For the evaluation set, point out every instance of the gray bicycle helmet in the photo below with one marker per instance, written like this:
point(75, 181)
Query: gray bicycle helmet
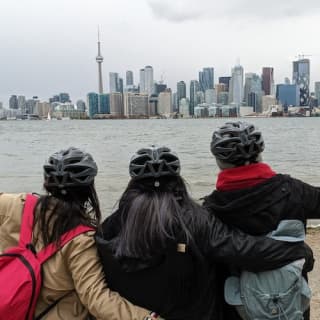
point(237, 143)
point(154, 162)
point(69, 168)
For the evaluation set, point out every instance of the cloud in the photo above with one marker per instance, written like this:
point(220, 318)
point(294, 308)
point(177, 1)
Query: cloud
point(188, 10)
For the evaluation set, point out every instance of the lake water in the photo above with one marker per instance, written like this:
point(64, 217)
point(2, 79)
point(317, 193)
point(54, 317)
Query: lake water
point(292, 147)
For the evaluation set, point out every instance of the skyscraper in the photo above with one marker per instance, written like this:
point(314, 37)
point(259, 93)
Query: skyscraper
point(99, 59)
point(226, 81)
point(267, 80)
point(22, 104)
point(194, 88)
point(288, 94)
point(206, 79)
point(253, 91)
point(301, 77)
point(317, 91)
point(114, 82)
point(181, 93)
point(165, 102)
point(236, 85)
point(142, 81)
point(148, 80)
point(104, 103)
point(129, 78)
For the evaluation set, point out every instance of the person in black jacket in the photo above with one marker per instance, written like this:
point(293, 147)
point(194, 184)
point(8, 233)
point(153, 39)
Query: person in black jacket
point(249, 195)
point(160, 248)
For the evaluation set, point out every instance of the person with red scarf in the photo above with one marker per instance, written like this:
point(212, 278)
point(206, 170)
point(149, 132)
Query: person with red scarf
point(250, 195)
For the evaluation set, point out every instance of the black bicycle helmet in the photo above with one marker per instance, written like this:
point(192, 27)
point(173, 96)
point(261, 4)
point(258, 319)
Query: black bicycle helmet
point(69, 168)
point(237, 143)
point(154, 162)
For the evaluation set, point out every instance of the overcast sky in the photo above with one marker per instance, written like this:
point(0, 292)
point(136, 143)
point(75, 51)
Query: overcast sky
point(49, 46)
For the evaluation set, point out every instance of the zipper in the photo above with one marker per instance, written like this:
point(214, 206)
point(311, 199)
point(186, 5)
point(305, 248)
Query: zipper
point(27, 264)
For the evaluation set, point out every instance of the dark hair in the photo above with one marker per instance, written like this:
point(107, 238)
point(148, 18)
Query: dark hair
point(59, 212)
point(153, 212)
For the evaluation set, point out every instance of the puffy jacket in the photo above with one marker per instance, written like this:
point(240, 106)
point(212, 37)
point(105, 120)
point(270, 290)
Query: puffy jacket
point(258, 210)
point(75, 269)
point(184, 282)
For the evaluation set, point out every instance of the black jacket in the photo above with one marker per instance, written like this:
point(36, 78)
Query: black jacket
point(181, 285)
point(259, 209)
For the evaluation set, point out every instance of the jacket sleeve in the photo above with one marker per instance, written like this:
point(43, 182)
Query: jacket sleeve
point(89, 281)
point(232, 246)
point(310, 199)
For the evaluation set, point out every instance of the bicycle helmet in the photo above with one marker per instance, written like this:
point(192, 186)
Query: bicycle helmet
point(154, 162)
point(237, 143)
point(69, 168)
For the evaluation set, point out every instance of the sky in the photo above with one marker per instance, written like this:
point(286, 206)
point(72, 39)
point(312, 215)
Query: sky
point(49, 46)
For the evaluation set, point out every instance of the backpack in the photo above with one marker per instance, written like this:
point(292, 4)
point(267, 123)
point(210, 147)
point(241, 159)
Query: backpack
point(279, 294)
point(20, 268)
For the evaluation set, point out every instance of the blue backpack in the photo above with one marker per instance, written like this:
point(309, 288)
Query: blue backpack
point(280, 294)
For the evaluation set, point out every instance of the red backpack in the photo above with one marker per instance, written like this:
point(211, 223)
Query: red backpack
point(20, 268)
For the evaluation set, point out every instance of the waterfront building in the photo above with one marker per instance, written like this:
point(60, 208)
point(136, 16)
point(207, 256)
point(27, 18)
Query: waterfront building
point(99, 59)
point(22, 104)
point(136, 104)
point(184, 108)
point(64, 97)
point(30, 106)
point(42, 109)
point(267, 81)
point(104, 103)
point(114, 82)
point(301, 77)
point(194, 88)
point(116, 104)
point(206, 79)
point(181, 93)
point(165, 103)
point(268, 102)
point(153, 104)
point(129, 78)
point(174, 102)
point(288, 94)
point(13, 102)
point(201, 110)
point(81, 105)
point(317, 90)
point(210, 96)
point(226, 81)
point(93, 104)
point(236, 85)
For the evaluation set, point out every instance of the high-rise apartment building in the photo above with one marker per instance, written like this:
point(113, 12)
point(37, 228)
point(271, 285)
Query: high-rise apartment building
point(301, 77)
point(22, 104)
point(136, 104)
point(64, 97)
point(142, 81)
point(181, 92)
point(210, 96)
point(206, 79)
point(93, 104)
point(194, 88)
point(267, 80)
point(253, 91)
point(114, 82)
point(236, 85)
point(165, 103)
point(129, 78)
point(81, 105)
point(116, 104)
point(13, 102)
point(148, 80)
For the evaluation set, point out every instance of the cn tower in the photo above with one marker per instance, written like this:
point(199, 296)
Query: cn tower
point(99, 60)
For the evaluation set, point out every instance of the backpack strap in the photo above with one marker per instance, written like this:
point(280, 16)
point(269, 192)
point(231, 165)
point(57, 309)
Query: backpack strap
point(44, 254)
point(27, 220)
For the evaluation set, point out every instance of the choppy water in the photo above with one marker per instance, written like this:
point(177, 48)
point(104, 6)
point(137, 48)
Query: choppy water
point(292, 146)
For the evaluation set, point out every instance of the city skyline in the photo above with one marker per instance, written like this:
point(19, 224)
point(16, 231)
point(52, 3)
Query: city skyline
point(41, 56)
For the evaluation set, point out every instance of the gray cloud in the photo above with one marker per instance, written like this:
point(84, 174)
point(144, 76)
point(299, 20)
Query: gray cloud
point(188, 10)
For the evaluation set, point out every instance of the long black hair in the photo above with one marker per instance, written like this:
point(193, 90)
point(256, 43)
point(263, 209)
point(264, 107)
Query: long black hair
point(153, 212)
point(61, 210)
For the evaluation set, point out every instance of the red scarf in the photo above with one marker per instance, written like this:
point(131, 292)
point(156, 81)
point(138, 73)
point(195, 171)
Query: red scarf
point(243, 176)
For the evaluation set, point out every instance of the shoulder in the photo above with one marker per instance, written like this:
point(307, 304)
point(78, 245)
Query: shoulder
point(11, 203)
